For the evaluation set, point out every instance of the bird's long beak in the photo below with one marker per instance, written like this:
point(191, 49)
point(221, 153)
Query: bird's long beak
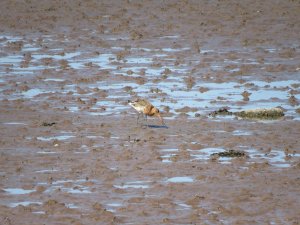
point(161, 119)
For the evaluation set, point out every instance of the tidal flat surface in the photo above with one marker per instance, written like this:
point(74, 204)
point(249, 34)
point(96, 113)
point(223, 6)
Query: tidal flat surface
point(71, 150)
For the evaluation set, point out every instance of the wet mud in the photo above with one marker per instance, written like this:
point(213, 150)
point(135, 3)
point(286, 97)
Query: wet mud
point(71, 150)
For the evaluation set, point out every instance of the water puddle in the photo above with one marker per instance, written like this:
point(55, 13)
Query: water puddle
point(167, 158)
point(59, 138)
point(77, 190)
point(134, 184)
point(46, 152)
point(12, 60)
point(69, 186)
point(113, 206)
point(17, 191)
point(180, 180)
point(71, 206)
point(82, 150)
point(24, 203)
point(54, 79)
point(15, 123)
point(139, 60)
point(94, 137)
point(55, 56)
point(175, 49)
point(276, 158)
point(168, 154)
point(205, 153)
point(170, 149)
point(47, 171)
point(170, 37)
point(183, 206)
point(73, 108)
point(39, 212)
point(242, 133)
point(34, 92)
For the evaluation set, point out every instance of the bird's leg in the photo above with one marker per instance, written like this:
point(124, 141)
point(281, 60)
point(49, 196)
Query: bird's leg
point(137, 121)
point(146, 120)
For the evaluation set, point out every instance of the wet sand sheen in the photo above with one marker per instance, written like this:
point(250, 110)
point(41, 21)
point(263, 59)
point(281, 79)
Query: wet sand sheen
point(71, 151)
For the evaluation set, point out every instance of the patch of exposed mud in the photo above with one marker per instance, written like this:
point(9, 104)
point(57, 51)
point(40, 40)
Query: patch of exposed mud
point(71, 151)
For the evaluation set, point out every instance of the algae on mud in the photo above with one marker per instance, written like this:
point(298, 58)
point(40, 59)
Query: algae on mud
point(272, 113)
point(261, 113)
point(230, 153)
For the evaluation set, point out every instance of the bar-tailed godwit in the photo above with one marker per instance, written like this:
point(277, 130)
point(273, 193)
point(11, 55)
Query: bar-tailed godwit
point(142, 106)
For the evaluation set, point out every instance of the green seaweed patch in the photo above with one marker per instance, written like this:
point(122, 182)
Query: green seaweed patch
point(260, 114)
point(230, 153)
point(271, 114)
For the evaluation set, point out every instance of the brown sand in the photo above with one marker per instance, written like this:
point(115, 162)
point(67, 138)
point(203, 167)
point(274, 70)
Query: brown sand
point(71, 151)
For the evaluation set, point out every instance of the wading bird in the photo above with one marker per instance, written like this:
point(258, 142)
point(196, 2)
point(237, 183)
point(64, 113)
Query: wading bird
point(145, 108)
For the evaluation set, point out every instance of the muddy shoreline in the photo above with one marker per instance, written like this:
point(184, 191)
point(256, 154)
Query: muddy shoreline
point(71, 151)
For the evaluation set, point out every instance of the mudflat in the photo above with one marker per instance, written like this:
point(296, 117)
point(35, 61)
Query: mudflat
point(71, 150)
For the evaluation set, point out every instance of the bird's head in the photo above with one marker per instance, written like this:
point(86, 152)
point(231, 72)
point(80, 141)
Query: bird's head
point(155, 112)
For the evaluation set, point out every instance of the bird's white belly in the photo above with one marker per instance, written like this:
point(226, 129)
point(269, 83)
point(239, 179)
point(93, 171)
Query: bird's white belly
point(138, 108)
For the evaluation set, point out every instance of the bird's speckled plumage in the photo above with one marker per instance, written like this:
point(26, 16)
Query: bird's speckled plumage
point(146, 108)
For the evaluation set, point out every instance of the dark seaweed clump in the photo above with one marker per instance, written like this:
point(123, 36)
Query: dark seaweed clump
point(230, 153)
point(221, 111)
point(45, 124)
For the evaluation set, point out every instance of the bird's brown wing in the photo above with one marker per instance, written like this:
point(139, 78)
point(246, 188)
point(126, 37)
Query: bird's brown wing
point(148, 110)
point(144, 102)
